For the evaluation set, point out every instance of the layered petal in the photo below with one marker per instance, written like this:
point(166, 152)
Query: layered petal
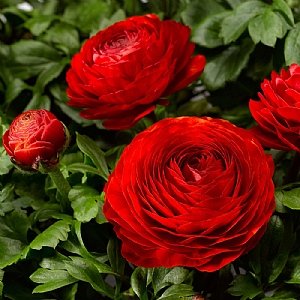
point(277, 111)
point(189, 191)
point(129, 66)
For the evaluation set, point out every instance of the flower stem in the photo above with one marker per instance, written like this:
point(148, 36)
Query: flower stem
point(63, 188)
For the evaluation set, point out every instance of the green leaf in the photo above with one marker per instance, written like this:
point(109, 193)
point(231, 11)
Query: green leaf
point(84, 270)
point(75, 244)
point(38, 24)
point(207, 33)
point(56, 262)
point(177, 292)
point(227, 66)
point(245, 286)
point(237, 22)
point(279, 205)
point(117, 261)
point(86, 15)
point(292, 46)
point(138, 283)
point(112, 156)
point(163, 277)
point(266, 28)
point(69, 292)
point(31, 52)
point(197, 11)
point(1, 283)
point(295, 275)
point(50, 71)
point(52, 235)
point(286, 245)
point(119, 15)
point(83, 168)
point(38, 101)
point(84, 202)
point(51, 279)
point(284, 9)
point(92, 149)
point(13, 237)
point(63, 34)
point(291, 198)
point(14, 88)
point(100, 218)
point(234, 3)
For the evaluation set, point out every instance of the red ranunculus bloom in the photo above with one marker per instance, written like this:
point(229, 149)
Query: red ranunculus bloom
point(189, 191)
point(278, 111)
point(34, 136)
point(122, 72)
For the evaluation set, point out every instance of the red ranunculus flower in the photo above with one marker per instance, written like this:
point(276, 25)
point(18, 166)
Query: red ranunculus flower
point(189, 191)
point(35, 136)
point(122, 72)
point(278, 111)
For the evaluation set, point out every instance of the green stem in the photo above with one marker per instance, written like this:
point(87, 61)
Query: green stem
point(63, 188)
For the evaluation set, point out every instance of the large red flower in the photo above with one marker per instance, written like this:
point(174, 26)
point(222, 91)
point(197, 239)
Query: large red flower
point(34, 136)
point(122, 72)
point(189, 191)
point(278, 111)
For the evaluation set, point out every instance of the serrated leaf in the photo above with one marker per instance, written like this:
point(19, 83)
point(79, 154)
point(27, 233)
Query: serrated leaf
point(52, 235)
point(245, 286)
point(207, 33)
point(227, 66)
point(237, 22)
point(51, 279)
point(92, 149)
point(266, 28)
point(292, 46)
point(84, 202)
point(84, 270)
point(291, 198)
point(177, 292)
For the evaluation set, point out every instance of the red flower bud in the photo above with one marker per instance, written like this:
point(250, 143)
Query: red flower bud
point(35, 136)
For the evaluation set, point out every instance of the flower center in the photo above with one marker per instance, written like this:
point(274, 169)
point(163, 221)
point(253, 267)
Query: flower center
point(121, 43)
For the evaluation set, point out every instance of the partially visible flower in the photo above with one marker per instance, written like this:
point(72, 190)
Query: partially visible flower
point(34, 137)
point(194, 192)
point(277, 113)
point(122, 72)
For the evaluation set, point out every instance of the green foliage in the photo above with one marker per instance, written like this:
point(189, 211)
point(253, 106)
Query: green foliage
point(47, 253)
